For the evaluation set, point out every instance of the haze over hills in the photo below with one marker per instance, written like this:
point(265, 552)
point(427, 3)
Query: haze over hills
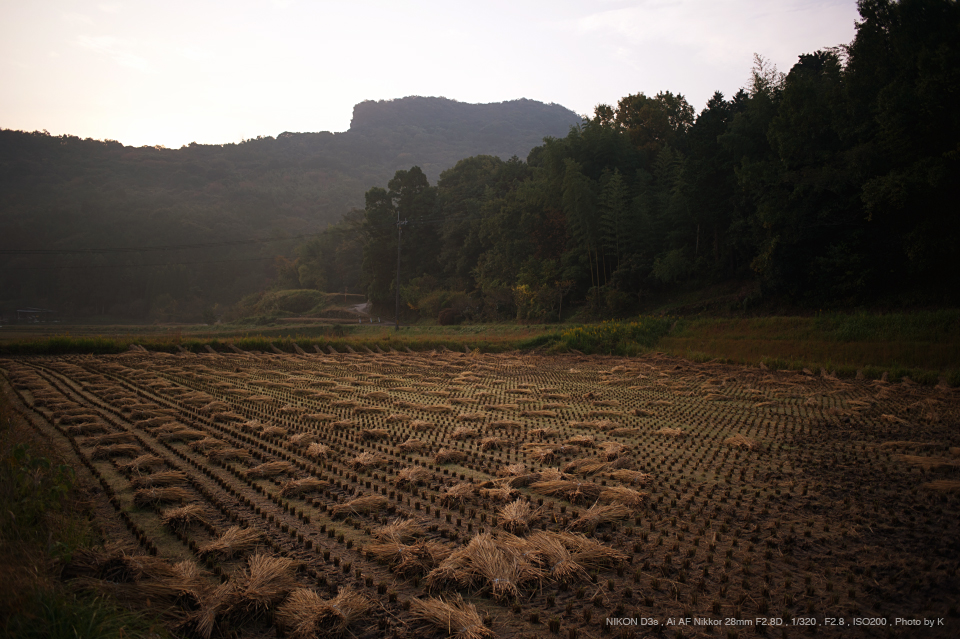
point(61, 193)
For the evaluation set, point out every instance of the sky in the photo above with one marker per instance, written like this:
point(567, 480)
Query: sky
point(173, 72)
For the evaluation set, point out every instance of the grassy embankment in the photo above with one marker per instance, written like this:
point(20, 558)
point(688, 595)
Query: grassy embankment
point(45, 518)
point(924, 345)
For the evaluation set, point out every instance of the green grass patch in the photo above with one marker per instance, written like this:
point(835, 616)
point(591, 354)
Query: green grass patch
point(617, 337)
point(924, 346)
point(62, 614)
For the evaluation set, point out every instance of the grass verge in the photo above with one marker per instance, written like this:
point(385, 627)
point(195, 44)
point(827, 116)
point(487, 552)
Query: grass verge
point(43, 521)
point(924, 346)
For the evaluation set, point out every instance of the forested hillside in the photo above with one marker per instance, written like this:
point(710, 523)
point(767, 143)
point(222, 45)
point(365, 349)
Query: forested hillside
point(61, 195)
point(835, 184)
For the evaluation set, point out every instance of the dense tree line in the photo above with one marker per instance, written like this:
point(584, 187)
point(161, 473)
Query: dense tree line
point(836, 183)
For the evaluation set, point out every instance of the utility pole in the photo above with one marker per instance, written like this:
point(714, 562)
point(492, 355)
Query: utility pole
point(396, 316)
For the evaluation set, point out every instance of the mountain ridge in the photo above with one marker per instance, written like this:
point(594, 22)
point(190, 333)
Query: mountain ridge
point(64, 192)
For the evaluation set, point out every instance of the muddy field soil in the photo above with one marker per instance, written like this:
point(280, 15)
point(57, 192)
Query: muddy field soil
point(467, 495)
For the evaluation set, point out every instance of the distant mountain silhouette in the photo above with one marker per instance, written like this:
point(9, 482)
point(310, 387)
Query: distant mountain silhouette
point(63, 192)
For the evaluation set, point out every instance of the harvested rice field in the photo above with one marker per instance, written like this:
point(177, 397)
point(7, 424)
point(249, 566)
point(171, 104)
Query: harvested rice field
point(465, 495)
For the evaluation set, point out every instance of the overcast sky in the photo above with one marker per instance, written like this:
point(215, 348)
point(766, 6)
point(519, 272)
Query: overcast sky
point(172, 72)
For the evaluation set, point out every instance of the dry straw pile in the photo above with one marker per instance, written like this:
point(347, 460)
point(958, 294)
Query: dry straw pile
point(453, 616)
point(306, 615)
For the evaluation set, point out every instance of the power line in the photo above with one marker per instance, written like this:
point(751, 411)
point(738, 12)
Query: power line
point(420, 221)
point(83, 266)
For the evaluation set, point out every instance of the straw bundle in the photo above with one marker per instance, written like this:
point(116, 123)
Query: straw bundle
point(290, 409)
point(613, 450)
point(182, 435)
point(374, 433)
point(500, 493)
point(419, 424)
point(599, 514)
point(224, 454)
point(523, 480)
point(263, 584)
point(586, 441)
point(553, 474)
point(85, 428)
point(181, 585)
point(517, 517)
point(591, 554)
point(634, 477)
point(586, 466)
point(640, 412)
point(538, 413)
point(317, 451)
point(513, 470)
point(274, 431)
point(115, 564)
point(162, 478)
point(150, 496)
point(400, 530)
point(411, 445)
point(397, 417)
point(464, 400)
point(927, 462)
point(234, 541)
point(541, 433)
point(502, 407)
point(302, 486)
point(269, 469)
point(465, 433)
point(493, 443)
point(623, 495)
point(153, 422)
point(366, 460)
point(489, 564)
point(448, 456)
point(115, 450)
point(141, 463)
point(605, 402)
point(946, 485)
point(457, 618)
point(182, 517)
point(206, 444)
point(458, 493)
point(302, 440)
point(740, 441)
point(471, 417)
point(412, 475)
point(606, 424)
point(305, 615)
point(76, 419)
point(111, 438)
point(361, 505)
point(505, 424)
point(252, 426)
point(572, 491)
point(215, 406)
point(554, 556)
point(670, 432)
point(413, 559)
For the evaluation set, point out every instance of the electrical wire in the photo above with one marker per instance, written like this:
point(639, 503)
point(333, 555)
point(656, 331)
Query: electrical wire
point(420, 221)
